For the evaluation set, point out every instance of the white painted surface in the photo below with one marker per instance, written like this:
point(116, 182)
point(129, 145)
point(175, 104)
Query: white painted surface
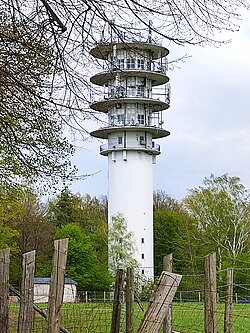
point(131, 193)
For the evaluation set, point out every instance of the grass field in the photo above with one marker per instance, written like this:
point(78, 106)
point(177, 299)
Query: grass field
point(189, 317)
point(96, 318)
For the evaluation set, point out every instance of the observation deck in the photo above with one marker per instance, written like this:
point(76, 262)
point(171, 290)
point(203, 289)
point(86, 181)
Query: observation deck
point(103, 50)
point(156, 132)
point(153, 149)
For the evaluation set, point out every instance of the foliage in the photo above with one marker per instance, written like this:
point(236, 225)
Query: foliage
point(36, 231)
point(34, 228)
point(120, 245)
point(65, 208)
point(83, 265)
point(176, 233)
point(10, 198)
point(221, 209)
point(162, 201)
point(24, 227)
point(7, 237)
point(31, 139)
point(166, 229)
point(10, 210)
point(89, 213)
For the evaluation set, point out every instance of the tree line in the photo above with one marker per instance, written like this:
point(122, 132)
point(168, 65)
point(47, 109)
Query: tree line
point(212, 217)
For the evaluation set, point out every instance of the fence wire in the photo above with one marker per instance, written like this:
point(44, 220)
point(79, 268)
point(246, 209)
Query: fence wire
point(92, 312)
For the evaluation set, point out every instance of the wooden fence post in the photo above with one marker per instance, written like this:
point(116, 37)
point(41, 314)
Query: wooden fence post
point(210, 306)
point(130, 290)
point(57, 285)
point(168, 266)
point(117, 302)
point(41, 312)
point(159, 303)
point(4, 289)
point(229, 302)
point(26, 313)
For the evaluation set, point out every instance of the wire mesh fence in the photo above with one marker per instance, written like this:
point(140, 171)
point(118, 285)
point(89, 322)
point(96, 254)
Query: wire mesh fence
point(91, 312)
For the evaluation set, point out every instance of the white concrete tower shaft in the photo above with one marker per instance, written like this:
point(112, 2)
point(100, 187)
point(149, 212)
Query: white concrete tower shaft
point(134, 107)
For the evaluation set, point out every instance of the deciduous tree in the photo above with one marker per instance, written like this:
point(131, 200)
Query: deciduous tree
point(32, 144)
point(25, 227)
point(221, 209)
point(10, 210)
point(83, 264)
point(163, 201)
point(90, 213)
point(121, 245)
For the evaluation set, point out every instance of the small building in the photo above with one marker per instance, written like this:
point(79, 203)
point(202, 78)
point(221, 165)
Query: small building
point(41, 290)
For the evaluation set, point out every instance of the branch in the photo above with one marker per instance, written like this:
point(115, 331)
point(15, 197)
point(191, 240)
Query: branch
point(54, 16)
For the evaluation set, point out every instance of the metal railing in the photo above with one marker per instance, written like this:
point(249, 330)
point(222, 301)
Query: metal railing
point(130, 145)
point(119, 92)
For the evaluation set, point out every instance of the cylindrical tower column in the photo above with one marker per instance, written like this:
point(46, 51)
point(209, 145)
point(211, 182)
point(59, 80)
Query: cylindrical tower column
point(131, 193)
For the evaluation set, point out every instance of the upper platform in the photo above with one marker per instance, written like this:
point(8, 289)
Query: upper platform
point(107, 105)
point(156, 132)
point(157, 78)
point(103, 50)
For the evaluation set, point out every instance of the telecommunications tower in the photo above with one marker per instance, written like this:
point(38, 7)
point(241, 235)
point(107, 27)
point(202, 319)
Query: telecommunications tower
point(135, 92)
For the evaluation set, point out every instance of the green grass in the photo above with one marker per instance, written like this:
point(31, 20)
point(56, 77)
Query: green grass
point(189, 317)
point(96, 318)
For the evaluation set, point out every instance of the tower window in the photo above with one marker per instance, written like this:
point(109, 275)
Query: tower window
point(140, 90)
point(112, 61)
point(142, 255)
point(140, 63)
point(112, 92)
point(131, 90)
point(120, 63)
point(142, 140)
point(130, 63)
point(142, 271)
point(142, 240)
point(141, 119)
point(119, 140)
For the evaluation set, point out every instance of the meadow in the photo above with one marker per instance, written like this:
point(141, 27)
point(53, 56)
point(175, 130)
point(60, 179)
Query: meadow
point(95, 317)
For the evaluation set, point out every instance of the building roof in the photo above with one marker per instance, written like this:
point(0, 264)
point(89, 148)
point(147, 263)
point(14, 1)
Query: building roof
point(47, 281)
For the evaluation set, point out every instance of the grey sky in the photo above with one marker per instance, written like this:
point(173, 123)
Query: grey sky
point(209, 121)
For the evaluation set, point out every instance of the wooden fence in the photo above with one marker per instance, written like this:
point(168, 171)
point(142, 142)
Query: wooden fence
point(153, 318)
point(210, 297)
point(26, 294)
point(157, 315)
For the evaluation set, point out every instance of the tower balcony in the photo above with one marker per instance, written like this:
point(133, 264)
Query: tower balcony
point(104, 50)
point(157, 75)
point(107, 104)
point(156, 132)
point(150, 148)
